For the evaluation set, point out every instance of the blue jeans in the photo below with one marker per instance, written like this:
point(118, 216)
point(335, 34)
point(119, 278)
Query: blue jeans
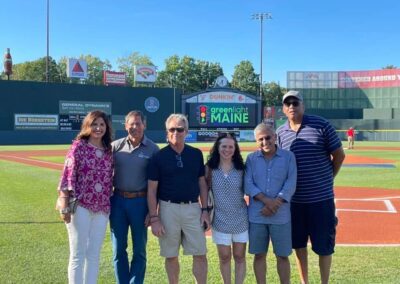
point(127, 213)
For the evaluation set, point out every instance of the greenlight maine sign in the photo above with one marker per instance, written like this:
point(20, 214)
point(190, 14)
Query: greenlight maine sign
point(222, 115)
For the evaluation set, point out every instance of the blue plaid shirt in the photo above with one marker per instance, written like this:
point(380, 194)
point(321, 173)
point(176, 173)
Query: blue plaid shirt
point(275, 177)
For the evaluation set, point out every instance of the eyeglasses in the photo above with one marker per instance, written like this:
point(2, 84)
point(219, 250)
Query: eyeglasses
point(179, 162)
point(177, 129)
point(294, 103)
point(267, 138)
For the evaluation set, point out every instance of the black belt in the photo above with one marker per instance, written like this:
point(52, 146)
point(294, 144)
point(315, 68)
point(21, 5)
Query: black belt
point(181, 202)
point(131, 194)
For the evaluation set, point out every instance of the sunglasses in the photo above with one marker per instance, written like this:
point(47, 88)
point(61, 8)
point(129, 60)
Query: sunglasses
point(177, 129)
point(293, 103)
point(179, 162)
point(267, 138)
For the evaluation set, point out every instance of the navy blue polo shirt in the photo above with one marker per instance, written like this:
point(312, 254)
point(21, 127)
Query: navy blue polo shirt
point(177, 181)
point(312, 145)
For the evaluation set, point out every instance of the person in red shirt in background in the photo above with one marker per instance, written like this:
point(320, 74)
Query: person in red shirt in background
point(350, 137)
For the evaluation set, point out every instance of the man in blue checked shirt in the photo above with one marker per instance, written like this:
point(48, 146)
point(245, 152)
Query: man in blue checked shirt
point(270, 182)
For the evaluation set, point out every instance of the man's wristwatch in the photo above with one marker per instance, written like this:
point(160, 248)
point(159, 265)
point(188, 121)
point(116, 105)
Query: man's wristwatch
point(204, 209)
point(65, 210)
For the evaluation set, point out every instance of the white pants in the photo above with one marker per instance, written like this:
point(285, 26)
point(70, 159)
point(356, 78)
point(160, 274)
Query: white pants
point(86, 233)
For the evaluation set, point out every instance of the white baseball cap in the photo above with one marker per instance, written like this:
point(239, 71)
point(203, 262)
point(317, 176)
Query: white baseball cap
point(294, 94)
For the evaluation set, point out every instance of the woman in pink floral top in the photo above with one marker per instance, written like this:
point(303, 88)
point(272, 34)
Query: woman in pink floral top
point(87, 176)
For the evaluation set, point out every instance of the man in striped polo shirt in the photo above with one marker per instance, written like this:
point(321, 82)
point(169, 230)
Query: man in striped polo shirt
point(319, 156)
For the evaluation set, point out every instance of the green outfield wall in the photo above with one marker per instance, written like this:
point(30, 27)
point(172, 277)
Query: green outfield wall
point(353, 98)
point(46, 113)
point(373, 112)
point(368, 100)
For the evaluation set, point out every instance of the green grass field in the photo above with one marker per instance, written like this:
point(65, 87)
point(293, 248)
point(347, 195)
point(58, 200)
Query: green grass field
point(34, 247)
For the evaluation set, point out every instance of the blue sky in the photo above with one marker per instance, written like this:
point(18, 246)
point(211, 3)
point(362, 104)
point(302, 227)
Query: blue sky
point(335, 35)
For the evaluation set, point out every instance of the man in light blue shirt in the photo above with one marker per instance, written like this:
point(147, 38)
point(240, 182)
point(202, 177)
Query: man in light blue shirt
point(270, 182)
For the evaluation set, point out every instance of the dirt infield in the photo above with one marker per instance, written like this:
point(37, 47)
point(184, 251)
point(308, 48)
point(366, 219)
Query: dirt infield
point(354, 159)
point(380, 148)
point(366, 216)
point(27, 157)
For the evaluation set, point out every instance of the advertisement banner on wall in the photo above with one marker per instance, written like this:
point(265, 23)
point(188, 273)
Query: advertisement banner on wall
point(191, 136)
point(152, 104)
point(145, 73)
point(207, 136)
point(312, 79)
point(114, 78)
point(211, 136)
point(118, 122)
point(78, 107)
point(69, 122)
point(36, 121)
point(221, 97)
point(247, 136)
point(222, 115)
point(370, 79)
point(77, 68)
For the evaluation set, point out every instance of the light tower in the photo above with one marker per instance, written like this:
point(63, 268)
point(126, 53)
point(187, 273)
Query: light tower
point(261, 17)
point(47, 41)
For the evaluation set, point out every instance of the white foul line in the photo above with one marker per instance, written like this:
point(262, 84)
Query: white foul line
point(390, 206)
point(385, 200)
point(31, 160)
point(369, 199)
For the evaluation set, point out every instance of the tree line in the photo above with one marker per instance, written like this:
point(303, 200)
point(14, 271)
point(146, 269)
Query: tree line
point(185, 73)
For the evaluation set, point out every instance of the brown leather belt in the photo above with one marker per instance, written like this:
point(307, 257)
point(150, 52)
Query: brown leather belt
point(128, 194)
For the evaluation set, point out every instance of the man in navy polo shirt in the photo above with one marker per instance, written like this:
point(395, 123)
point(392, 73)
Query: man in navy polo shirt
point(176, 181)
point(319, 156)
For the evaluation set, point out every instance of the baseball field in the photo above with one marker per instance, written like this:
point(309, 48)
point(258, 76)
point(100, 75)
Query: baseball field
point(34, 246)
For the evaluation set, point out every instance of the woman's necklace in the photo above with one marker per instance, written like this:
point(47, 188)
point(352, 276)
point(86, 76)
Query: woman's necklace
point(99, 150)
point(226, 168)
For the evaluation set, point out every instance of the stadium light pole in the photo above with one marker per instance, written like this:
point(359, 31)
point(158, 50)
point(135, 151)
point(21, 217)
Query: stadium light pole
point(47, 42)
point(261, 17)
point(172, 80)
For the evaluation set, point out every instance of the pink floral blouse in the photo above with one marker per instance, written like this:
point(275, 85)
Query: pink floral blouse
point(88, 172)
